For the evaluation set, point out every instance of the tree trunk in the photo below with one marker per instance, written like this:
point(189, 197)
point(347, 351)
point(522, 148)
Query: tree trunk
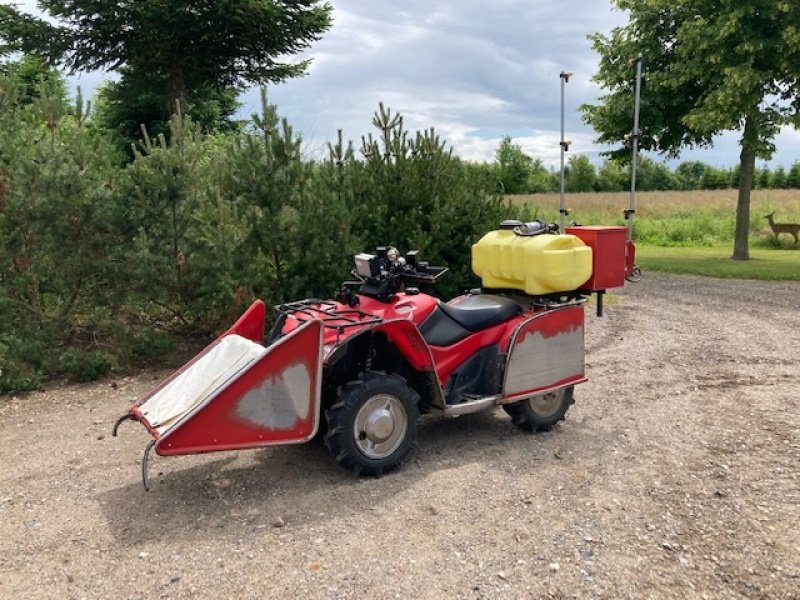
point(747, 163)
point(177, 90)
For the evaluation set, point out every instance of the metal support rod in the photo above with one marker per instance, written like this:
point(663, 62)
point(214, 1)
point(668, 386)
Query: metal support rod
point(145, 461)
point(637, 64)
point(564, 147)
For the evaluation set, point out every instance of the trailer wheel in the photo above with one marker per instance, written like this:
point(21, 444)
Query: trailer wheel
point(540, 413)
point(373, 424)
point(635, 275)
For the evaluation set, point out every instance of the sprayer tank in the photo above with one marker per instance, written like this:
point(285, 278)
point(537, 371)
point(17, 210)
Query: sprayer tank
point(536, 265)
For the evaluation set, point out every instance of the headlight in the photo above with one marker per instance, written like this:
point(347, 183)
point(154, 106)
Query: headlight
point(367, 265)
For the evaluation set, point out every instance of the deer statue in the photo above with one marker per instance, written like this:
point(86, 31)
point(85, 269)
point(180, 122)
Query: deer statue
point(778, 228)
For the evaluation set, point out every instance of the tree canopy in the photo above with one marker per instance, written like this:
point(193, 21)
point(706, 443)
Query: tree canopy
point(187, 45)
point(710, 67)
point(514, 166)
point(139, 100)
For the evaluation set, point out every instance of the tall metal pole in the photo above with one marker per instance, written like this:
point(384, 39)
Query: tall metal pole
point(564, 148)
point(637, 64)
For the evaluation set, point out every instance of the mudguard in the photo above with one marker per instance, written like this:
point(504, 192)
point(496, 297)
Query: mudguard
point(409, 341)
point(546, 353)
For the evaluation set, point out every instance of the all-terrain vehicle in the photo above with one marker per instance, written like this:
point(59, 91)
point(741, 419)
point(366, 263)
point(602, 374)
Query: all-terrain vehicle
point(360, 370)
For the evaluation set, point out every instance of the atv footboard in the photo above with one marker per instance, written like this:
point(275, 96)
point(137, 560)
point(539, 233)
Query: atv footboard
point(237, 394)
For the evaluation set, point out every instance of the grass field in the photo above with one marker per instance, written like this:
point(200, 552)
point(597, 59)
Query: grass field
point(776, 265)
point(692, 218)
point(692, 231)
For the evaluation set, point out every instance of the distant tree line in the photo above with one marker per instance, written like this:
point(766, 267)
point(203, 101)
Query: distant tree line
point(515, 172)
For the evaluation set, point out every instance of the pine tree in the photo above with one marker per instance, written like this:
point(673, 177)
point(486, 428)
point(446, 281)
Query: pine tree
point(185, 46)
point(793, 178)
point(778, 179)
point(764, 177)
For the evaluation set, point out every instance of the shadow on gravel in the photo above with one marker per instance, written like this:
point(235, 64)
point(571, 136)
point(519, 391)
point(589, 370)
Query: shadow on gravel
point(284, 488)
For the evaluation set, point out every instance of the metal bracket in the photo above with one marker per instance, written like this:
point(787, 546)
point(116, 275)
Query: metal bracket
point(120, 421)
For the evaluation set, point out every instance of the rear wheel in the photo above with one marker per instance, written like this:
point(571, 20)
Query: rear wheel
point(540, 413)
point(373, 424)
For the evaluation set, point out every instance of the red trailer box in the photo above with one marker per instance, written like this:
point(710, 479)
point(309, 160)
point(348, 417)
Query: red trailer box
point(608, 254)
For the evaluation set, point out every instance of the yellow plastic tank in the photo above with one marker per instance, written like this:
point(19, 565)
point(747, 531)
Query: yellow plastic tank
point(536, 265)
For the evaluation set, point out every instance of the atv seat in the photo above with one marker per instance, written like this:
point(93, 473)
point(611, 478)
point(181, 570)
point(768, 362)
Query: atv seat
point(479, 311)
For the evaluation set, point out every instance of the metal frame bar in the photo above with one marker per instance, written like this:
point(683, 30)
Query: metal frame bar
point(637, 64)
point(564, 148)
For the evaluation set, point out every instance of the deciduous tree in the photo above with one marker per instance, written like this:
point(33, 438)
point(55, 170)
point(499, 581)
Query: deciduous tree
point(513, 167)
point(581, 174)
point(710, 67)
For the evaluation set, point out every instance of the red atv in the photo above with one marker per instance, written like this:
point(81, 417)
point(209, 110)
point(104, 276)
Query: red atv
point(360, 370)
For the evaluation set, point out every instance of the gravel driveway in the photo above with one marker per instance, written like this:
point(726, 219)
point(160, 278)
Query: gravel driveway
point(675, 475)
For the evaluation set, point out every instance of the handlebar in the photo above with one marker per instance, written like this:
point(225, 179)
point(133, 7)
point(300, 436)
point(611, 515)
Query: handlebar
point(383, 274)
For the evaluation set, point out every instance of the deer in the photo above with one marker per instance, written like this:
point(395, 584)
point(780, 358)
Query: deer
point(778, 228)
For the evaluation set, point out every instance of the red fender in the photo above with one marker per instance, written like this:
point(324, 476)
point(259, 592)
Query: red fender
point(409, 341)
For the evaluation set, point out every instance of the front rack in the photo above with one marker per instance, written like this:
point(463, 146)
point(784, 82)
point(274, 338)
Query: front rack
point(326, 311)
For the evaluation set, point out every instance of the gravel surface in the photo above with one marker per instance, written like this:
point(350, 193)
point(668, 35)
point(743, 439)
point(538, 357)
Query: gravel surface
point(675, 475)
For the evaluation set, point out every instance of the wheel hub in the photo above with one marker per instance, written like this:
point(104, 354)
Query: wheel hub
point(546, 404)
point(380, 426)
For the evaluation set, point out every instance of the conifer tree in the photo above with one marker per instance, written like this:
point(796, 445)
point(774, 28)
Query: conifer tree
point(793, 178)
point(186, 45)
point(778, 179)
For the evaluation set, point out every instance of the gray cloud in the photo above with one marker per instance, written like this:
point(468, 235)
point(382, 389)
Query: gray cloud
point(474, 70)
point(475, 73)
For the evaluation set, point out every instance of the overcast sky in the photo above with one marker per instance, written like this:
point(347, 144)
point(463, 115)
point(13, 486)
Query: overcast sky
point(475, 71)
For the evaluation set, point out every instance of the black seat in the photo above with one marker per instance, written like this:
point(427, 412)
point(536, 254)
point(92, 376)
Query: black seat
point(476, 312)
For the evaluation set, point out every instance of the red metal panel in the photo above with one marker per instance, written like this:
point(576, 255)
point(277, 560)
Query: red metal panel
point(546, 353)
point(273, 401)
point(608, 246)
point(251, 324)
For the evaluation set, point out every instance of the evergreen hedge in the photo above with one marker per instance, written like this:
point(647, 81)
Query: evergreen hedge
point(107, 264)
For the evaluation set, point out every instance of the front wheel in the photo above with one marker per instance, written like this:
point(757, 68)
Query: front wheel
point(540, 413)
point(373, 424)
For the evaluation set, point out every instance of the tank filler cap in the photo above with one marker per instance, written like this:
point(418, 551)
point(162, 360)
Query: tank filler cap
point(510, 224)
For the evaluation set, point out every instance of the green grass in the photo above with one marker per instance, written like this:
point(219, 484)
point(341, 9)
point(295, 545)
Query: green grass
point(715, 261)
point(690, 218)
point(691, 232)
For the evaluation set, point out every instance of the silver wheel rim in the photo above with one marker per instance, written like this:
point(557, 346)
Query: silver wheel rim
point(380, 426)
point(547, 405)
